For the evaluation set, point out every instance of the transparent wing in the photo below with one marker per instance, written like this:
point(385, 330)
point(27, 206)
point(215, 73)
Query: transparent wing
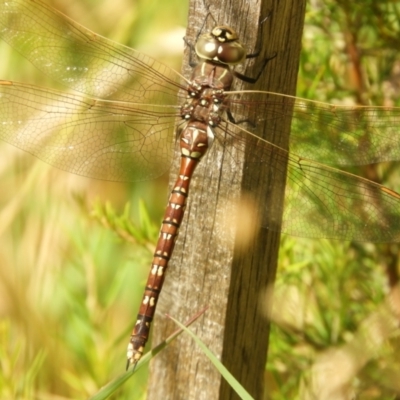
point(326, 202)
point(331, 134)
point(83, 60)
point(320, 201)
point(95, 138)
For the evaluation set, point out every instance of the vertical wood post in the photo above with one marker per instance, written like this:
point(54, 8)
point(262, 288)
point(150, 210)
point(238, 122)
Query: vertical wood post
point(209, 267)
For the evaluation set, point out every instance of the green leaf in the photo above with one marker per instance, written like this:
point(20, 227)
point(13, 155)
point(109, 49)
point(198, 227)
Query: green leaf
point(114, 385)
point(235, 385)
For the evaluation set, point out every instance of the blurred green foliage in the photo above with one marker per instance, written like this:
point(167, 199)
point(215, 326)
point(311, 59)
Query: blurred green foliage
point(73, 266)
point(329, 295)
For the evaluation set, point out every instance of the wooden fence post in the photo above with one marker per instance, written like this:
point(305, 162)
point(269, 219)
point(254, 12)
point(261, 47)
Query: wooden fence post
point(210, 267)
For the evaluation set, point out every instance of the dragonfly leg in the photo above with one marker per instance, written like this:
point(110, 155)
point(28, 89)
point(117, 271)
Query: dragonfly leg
point(250, 79)
point(255, 54)
point(232, 119)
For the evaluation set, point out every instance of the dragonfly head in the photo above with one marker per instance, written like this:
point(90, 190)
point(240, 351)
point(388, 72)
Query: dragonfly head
point(221, 45)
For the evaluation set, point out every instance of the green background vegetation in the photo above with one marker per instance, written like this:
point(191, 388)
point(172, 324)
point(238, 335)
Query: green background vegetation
point(72, 270)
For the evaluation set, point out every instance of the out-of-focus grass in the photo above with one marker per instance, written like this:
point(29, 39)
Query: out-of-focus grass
point(70, 288)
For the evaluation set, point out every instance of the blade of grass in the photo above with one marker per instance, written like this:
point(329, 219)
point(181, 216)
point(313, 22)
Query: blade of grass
point(239, 389)
point(112, 386)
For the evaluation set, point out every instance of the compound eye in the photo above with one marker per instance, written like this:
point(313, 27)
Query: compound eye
point(221, 45)
point(207, 47)
point(231, 53)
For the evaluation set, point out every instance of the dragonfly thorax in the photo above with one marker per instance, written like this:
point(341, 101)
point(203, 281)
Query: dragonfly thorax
point(207, 93)
point(221, 45)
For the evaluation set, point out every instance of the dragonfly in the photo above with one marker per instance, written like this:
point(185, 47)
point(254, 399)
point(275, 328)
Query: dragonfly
point(121, 119)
